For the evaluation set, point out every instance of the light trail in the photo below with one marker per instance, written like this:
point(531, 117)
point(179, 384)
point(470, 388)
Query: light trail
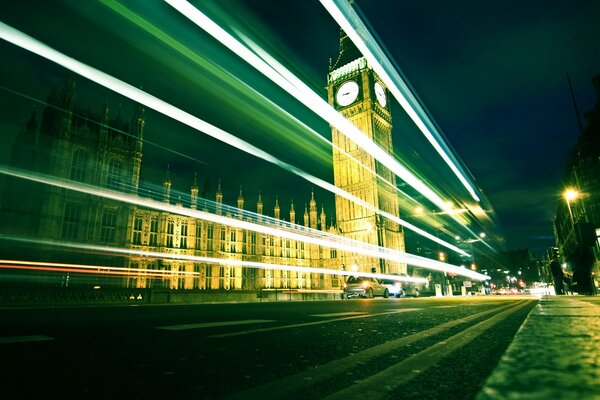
point(27, 42)
point(165, 38)
point(295, 87)
point(292, 232)
point(92, 121)
point(178, 257)
point(352, 25)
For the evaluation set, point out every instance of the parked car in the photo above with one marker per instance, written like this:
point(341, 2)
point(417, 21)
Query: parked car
point(401, 288)
point(360, 286)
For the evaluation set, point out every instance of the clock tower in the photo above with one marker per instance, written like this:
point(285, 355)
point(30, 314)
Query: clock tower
point(358, 94)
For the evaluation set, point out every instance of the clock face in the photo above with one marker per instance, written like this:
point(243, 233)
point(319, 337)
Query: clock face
point(380, 93)
point(347, 93)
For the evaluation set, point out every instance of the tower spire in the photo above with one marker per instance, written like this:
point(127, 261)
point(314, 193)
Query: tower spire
point(167, 185)
point(194, 192)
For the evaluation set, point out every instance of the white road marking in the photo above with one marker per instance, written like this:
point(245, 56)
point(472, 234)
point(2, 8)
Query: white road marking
point(341, 314)
point(24, 339)
point(276, 328)
point(212, 324)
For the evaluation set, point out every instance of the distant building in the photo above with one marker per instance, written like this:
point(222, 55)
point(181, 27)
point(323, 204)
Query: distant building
point(577, 222)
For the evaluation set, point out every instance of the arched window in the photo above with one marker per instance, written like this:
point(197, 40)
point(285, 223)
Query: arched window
point(113, 179)
point(79, 165)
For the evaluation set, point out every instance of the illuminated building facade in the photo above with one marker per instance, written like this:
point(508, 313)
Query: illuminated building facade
point(356, 91)
point(156, 231)
point(577, 222)
point(81, 147)
point(107, 153)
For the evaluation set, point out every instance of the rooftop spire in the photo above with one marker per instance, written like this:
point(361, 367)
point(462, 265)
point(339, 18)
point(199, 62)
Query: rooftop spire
point(347, 50)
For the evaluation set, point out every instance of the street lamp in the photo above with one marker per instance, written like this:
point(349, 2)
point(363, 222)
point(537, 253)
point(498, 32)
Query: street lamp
point(570, 195)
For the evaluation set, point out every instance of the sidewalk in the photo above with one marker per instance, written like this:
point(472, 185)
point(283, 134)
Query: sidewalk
point(555, 354)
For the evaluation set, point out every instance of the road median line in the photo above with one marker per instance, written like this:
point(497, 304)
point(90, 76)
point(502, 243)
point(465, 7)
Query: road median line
point(383, 383)
point(292, 384)
point(312, 323)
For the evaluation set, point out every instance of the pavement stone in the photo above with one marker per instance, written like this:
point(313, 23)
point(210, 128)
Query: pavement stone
point(555, 354)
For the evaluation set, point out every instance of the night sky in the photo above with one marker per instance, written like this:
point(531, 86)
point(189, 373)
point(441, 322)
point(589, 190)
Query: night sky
point(491, 74)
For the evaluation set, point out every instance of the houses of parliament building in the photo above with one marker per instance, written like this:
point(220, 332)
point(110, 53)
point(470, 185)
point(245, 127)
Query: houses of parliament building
point(105, 152)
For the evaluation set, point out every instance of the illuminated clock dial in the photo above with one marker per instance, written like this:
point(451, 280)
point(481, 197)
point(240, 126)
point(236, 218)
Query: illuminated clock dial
point(380, 93)
point(347, 93)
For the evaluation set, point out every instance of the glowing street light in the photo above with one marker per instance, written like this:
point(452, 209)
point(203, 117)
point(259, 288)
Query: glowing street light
point(570, 195)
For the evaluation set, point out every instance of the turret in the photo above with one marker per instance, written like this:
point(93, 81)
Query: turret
point(219, 198)
point(259, 204)
point(167, 187)
point(305, 216)
point(323, 219)
point(292, 213)
point(194, 193)
point(276, 209)
point(138, 132)
point(313, 211)
point(240, 200)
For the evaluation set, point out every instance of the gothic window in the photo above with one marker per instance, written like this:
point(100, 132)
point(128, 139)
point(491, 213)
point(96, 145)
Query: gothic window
point(196, 276)
point(285, 244)
point(170, 232)
point(244, 238)
point(113, 180)
point(72, 216)
point(181, 277)
point(79, 165)
point(209, 238)
point(332, 253)
point(108, 226)
point(222, 241)
point(198, 235)
point(253, 243)
point(137, 230)
point(208, 269)
point(183, 238)
point(233, 241)
point(153, 232)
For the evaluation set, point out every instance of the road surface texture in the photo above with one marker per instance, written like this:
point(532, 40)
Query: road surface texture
point(433, 348)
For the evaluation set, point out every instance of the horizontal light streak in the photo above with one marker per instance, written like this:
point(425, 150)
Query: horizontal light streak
point(295, 87)
point(299, 234)
point(350, 22)
point(22, 40)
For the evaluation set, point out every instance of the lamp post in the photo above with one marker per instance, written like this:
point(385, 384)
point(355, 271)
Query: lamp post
point(571, 194)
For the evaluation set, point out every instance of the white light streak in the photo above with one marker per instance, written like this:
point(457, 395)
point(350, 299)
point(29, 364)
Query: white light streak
point(295, 87)
point(22, 40)
point(292, 232)
point(350, 22)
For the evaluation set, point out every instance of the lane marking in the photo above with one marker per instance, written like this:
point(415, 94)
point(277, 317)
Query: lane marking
point(25, 339)
point(293, 384)
point(276, 328)
point(383, 383)
point(340, 314)
point(213, 324)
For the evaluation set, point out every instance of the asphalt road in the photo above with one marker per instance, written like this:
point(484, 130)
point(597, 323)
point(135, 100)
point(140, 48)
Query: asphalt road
point(376, 348)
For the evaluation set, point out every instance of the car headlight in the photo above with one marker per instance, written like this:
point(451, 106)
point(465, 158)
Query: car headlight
point(365, 284)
